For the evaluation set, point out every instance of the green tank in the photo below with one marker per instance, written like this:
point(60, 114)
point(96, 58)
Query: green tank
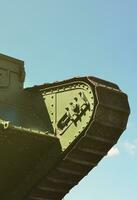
point(52, 135)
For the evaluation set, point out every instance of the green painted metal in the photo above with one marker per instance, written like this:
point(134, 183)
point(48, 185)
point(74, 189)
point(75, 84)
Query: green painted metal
point(70, 116)
point(52, 135)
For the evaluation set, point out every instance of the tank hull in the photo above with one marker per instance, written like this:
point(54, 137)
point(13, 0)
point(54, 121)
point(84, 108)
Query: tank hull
point(98, 128)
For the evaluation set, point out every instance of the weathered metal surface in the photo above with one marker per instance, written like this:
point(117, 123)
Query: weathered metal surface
point(52, 135)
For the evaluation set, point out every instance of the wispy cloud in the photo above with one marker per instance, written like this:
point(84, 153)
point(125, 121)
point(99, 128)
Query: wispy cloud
point(131, 148)
point(114, 151)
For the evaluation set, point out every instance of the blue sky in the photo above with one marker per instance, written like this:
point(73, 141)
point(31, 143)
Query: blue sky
point(59, 39)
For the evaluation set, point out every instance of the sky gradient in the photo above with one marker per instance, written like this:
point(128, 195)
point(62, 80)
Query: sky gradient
point(59, 39)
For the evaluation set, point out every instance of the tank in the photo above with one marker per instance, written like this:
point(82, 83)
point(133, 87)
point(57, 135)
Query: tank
point(52, 135)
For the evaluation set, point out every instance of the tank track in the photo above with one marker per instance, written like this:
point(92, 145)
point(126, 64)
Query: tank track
point(106, 125)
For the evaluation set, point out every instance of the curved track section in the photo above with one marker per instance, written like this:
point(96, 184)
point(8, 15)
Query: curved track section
point(106, 124)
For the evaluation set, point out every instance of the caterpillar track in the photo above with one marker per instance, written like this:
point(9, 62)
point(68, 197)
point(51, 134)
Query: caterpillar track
point(88, 115)
point(52, 135)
